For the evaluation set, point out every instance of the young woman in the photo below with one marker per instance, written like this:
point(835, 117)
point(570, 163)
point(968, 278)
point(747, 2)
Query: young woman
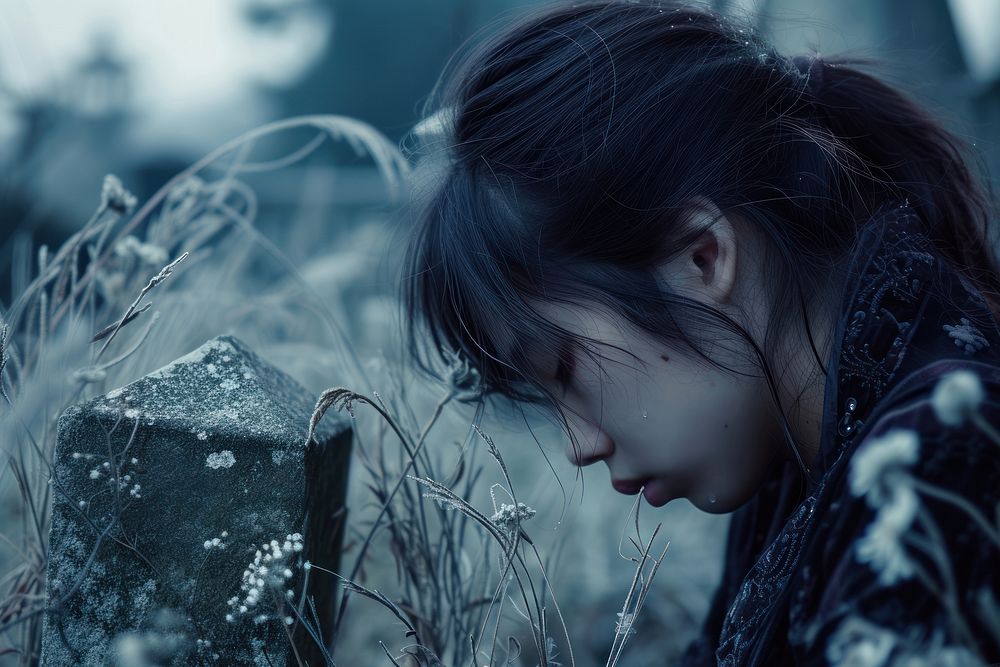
point(737, 278)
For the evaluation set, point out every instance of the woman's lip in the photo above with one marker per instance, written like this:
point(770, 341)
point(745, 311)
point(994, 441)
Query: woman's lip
point(656, 493)
point(653, 489)
point(629, 487)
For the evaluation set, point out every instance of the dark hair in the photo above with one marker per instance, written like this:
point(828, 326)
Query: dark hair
point(574, 140)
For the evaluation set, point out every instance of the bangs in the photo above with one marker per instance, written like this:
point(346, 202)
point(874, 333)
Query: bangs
point(468, 280)
point(475, 265)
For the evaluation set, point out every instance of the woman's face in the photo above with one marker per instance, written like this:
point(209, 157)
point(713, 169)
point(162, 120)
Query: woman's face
point(668, 420)
point(690, 430)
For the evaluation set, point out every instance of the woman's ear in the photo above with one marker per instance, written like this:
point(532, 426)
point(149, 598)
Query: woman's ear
point(707, 269)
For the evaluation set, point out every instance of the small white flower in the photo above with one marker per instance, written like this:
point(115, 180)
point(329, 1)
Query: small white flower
point(76, 455)
point(115, 197)
point(625, 624)
point(288, 620)
point(859, 643)
point(307, 566)
point(881, 547)
point(956, 396)
point(83, 504)
point(462, 376)
point(508, 516)
point(134, 460)
point(208, 544)
point(230, 618)
point(876, 458)
point(148, 253)
point(95, 473)
point(89, 374)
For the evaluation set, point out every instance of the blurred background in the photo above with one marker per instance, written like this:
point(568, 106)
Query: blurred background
point(145, 89)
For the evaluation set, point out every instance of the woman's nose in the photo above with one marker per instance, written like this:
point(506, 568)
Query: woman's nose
point(591, 444)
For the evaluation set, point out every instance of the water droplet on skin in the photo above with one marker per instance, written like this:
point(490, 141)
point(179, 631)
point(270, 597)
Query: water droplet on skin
point(644, 413)
point(712, 498)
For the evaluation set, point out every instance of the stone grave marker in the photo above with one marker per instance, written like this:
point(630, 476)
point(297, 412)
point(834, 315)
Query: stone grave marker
point(171, 493)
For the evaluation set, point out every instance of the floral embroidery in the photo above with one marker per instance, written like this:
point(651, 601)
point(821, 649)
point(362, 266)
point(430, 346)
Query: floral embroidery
point(967, 337)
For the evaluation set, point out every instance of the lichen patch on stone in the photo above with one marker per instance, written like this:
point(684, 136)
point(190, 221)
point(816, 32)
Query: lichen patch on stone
point(223, 459)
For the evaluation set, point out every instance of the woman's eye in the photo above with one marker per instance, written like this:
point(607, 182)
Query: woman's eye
point(564, 367)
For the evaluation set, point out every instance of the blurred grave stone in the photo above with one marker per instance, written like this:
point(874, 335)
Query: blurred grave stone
point(210, 464)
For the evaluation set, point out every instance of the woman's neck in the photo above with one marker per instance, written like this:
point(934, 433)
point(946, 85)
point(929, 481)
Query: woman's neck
point(807, 383)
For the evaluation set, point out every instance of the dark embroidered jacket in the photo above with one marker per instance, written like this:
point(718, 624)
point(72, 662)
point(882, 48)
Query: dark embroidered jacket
point(792, 585)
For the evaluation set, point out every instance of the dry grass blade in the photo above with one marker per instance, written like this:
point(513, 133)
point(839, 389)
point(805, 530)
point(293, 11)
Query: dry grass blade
point(375, 595)
point(106, 331)
point(3, 360)
point(444, 494)
point(627, 618)
point(164, 273)
point(326, 400)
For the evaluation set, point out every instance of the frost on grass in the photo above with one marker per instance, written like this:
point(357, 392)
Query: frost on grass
point(162, 492)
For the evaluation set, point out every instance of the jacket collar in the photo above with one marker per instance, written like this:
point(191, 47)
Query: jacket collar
point(904, 307)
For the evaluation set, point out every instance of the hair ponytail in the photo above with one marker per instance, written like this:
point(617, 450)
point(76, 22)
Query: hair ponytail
point(901, 143)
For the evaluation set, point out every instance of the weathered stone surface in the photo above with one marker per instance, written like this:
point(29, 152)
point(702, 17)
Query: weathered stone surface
point(209, 447)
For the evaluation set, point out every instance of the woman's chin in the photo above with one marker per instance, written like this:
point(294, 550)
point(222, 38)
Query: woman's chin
point(705, 505)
